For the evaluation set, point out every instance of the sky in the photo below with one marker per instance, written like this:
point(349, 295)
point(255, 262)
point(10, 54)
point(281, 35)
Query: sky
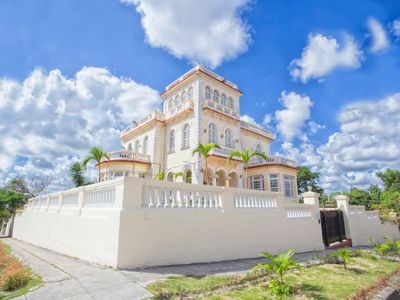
point(324, 76)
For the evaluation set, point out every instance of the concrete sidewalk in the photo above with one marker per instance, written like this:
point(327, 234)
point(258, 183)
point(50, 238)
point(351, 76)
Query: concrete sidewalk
point(69, 278)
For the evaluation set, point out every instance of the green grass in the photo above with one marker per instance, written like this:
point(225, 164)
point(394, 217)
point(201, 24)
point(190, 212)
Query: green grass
point(322, 282)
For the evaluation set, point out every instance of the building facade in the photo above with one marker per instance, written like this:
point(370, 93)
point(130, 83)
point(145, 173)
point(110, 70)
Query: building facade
point(200, 107)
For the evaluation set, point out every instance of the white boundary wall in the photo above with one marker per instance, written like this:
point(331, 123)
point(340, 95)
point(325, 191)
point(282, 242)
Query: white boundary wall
point(130, 222)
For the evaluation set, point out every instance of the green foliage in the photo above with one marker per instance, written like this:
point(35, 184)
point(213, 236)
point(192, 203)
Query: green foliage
point(306, 178)
point(160, 176)
point(391, 179)
point(344, 255)
point(389, 247)
point(359, 197)
point(10, 201)
point(76, 173)
point(279, 265)
point(204, 151)
point(95, 154)
point(175, 175)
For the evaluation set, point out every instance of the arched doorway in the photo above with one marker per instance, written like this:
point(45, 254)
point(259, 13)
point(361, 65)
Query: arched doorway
point(208, 174)
point(188, 176)
point(233, 179)
point(221, 177)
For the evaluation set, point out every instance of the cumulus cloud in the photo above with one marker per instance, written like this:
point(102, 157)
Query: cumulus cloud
point(248, 119)
point(49, 120)
point(395, 27)
point(290, 120)
point(368, 141)
point(207, 31)
point(324, 54)
point(379, 37)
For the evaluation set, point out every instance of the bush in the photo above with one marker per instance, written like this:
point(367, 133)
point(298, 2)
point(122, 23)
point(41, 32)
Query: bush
point(389, 247)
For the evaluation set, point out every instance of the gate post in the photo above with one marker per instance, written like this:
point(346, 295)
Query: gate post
point(311, 198)
point(342, 202)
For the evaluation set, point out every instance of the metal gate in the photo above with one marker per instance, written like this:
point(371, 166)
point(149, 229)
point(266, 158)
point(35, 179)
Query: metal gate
point(332, 224)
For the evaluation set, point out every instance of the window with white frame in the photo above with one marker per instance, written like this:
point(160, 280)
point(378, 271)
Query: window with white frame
point(289, 184)
point(177, 100)
point(208, 93)
point(216, 96)
point(145, 144)
point(118, 173)
point(172, 141)
point(230, 102)
point(256, 182)
point(137, 146)
point(183, 96)
point(212, 133)
point(130, 147)
point(190, 93)
point(141, 175)
point(229, 139)
point(274, 182)
point(170, 104)
point(223, 99)
point(259, 148)
point(185, 136)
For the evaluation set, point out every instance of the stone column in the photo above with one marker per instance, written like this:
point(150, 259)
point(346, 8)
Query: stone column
point(342, 202)
point(312, 198)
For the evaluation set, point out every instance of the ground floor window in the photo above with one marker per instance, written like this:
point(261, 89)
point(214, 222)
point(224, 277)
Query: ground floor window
point(274, 182)
point(289, 185)
point(118, 173)
point(141, 175)
point(256, 182)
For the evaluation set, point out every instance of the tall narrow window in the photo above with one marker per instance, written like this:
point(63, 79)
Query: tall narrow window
point(184, 96)
point(172, 141)
point(259, 148)
point(216, 96)
point(185, 136)
point(190, 93)
point(170, 104)
point(274, 182)
point(145, 144)
point(229, 138)
point(137, 146)
point(230, 102)
point(289, 185)
point(130, 147)
point(223, 99)
point(256, 182)
point(212, 133)
point(208, 93)
point(177, 100)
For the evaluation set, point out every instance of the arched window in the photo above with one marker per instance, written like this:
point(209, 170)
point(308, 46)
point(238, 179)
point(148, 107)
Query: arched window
point(170, 104)
point(212, 133)
point(185, 136)
point(145, 144)
point(223, 99)
point(130, 147)
point(137, 145)
point(259, 148)
point(229, 138)
point(216, 96)
point(177, 100)
point(170, 177)
point(208, 93)
point(172, 141)
point(230, 102)
point(190, 93)
point(183, 96)
point(188, 176)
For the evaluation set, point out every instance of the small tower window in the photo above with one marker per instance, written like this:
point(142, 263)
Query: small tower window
point(190, 93)
point(185, 136)
point(229, 139)
point(212, 133)
point(208, 93)
point(172, 141)
point(145, 144)
point(216, 96)
point(223, 99)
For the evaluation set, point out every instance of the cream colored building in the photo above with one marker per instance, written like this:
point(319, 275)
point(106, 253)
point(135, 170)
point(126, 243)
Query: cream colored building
point(200, 107)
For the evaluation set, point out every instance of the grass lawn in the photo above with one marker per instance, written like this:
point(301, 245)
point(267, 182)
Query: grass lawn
point(327, 281)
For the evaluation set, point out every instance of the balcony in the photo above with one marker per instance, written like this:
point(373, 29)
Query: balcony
point(155, 115)
point(127, 155)
point(221, 109)
point(256, 129)
point(223, 152)
point(186, 105)
point(257, 161)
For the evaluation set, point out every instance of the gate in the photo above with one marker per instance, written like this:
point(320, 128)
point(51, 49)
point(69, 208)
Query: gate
point(332, 224)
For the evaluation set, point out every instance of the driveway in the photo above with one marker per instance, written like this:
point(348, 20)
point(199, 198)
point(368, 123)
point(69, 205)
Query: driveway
point(69, 278)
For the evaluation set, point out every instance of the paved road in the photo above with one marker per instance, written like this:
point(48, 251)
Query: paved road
point(69, 278)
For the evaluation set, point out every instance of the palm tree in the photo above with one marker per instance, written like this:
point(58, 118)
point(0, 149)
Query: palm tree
point(96, 154)
point(204, 150)
point(246, 156)
point(160, 176)
point(76, 171)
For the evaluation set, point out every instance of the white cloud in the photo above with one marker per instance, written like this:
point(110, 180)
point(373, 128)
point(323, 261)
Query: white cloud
point(380, 40)
point(49, 120)
point(248, 119)
point(290, 120)
point(314, 127)
point(267, 120)
point(324, 54)
point(368, 141)
point(395, 27)
point(207, 31)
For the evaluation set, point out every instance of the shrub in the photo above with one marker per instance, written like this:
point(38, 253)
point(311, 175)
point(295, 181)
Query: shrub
point(343, 255)
point(389, 247)
point(14, 277)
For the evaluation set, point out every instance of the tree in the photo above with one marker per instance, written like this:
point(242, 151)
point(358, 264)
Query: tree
point(204, 151)
point(391, 179)
point(30, 187)
point(246, 156)
point(10, 201)
point(76, 173)
point(306, 178)
point(359, 197)
point(95, 154)
point(160, 176)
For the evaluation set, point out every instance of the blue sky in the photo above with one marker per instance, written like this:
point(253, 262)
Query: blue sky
point(336, 109)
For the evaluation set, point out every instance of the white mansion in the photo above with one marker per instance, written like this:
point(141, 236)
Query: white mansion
point(200, 107)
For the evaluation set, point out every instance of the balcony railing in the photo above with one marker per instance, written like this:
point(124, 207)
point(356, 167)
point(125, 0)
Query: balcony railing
point(222, 152)
point(272, 160)
point(151, 116)
point(256, 129)
point(220, 108)
point(188, 104)
point(127, 155)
